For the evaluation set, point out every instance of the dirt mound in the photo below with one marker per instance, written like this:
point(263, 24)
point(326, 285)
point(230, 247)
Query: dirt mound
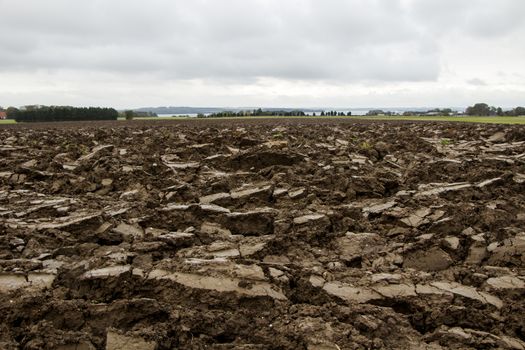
point(270, 234)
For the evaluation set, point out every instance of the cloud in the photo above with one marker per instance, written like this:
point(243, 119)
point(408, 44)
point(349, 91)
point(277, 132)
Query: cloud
point(479, 19)
point(476, 82)
point(304, 40)
point(210, 47)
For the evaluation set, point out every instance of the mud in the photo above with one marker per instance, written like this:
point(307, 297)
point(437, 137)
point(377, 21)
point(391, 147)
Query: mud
point(269, 234)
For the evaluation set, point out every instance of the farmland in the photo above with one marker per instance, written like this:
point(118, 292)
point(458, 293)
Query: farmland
point(306, 233)
point(462, 119)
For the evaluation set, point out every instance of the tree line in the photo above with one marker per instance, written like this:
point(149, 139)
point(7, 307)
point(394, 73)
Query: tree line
point(269, 113)
point(483, 109)
point(334, 114)
point(60, 114)
point(255, 113)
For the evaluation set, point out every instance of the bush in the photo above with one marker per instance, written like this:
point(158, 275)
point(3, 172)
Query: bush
point(129, 115)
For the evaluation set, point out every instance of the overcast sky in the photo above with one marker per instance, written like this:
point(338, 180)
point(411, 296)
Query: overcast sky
point(294, 53)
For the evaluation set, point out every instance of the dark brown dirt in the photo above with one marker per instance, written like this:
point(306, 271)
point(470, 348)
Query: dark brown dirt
point(264, 234)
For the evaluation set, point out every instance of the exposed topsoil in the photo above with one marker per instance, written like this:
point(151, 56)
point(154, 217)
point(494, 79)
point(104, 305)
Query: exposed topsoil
point(272, 234)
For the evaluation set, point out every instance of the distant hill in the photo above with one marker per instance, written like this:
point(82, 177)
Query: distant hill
point(179, 110)
point(209, 110)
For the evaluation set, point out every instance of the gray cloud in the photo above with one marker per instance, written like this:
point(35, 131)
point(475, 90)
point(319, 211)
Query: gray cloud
point(340, 41)
point(242, 42)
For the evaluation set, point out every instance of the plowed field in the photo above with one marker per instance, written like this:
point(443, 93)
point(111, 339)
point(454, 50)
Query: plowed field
point(266, 234)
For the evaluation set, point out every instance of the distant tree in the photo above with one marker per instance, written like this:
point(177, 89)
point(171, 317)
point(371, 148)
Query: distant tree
point(481, 109)
point(322, 113)
point(376, 112)
point(313, 114)
point(12, 112)
point(129, 114)
point(519, 111)
point(445, 112)
point(499, 111)
point(349, 114)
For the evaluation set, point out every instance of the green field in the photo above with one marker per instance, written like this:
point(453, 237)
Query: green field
point(145, 118)
point(491, 120)
point(467, 119)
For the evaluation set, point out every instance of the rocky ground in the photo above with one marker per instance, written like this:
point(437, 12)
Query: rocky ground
point(269, 234)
